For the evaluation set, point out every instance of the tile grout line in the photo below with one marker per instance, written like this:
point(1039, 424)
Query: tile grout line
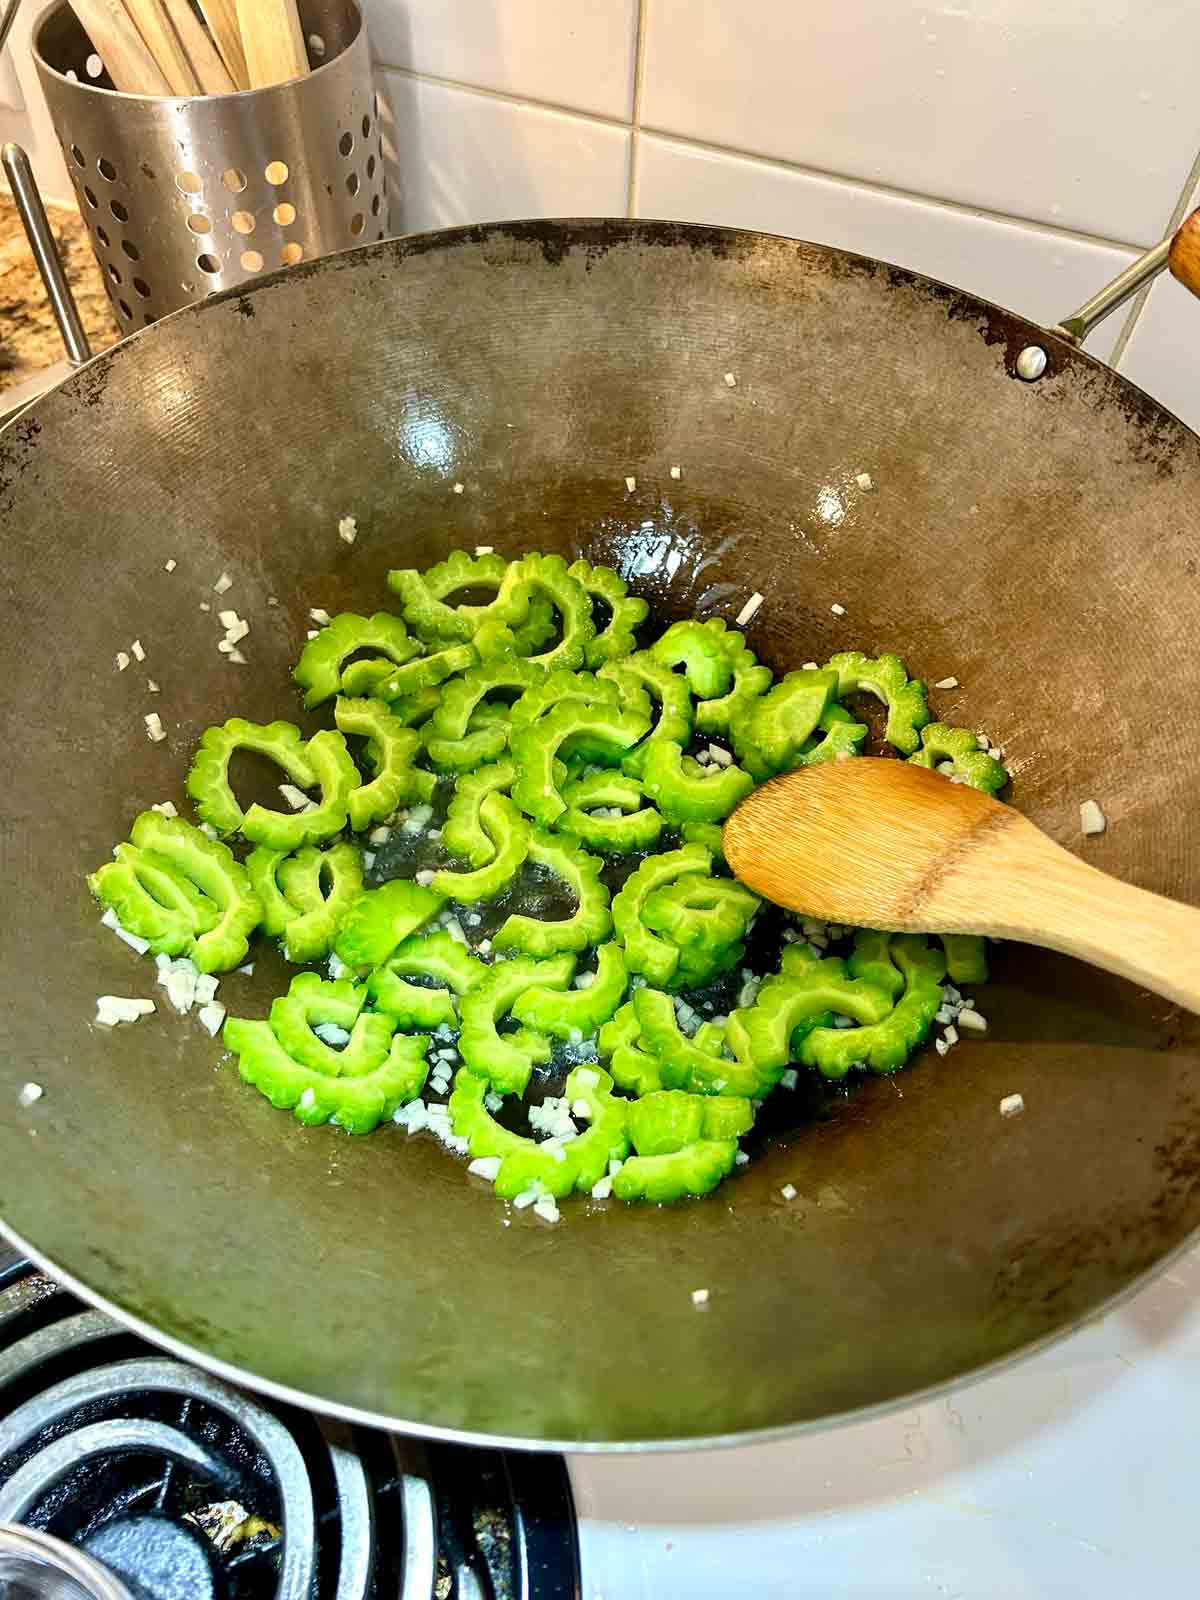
point(1190, 189)
point(506, 97)
point(895, 192)
point(778, 163)
point(639, 84)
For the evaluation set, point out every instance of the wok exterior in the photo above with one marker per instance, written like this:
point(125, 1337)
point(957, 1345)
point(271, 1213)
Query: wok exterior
point(1038, 541)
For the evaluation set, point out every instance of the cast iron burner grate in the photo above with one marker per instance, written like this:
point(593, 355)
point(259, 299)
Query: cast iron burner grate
point(187, 1489)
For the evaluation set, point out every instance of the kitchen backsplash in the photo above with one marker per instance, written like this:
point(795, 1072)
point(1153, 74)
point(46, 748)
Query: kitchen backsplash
point(1024, 149)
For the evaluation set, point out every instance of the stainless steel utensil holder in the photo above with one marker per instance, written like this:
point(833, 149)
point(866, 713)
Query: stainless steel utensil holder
point(185, 196)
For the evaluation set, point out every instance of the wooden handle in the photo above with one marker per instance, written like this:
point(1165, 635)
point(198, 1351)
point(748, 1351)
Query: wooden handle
point(273, 41)
point(1184, 259)
point(161, 40)
point(210, 70)
point(221, 16)
point(1030, 888)
point(119, 45)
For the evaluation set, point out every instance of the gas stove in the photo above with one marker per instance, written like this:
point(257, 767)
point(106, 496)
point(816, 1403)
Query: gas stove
point(1068, 1473)
point(138, 1477)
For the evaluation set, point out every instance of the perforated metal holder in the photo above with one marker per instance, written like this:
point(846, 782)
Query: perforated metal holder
point(186, 196)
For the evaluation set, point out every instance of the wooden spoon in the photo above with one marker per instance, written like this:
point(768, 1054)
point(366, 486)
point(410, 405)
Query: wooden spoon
point(882, 844)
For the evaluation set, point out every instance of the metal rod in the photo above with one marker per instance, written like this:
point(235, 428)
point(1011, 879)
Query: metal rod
point(1123, 287)
point(45, 253)
point(6, 22)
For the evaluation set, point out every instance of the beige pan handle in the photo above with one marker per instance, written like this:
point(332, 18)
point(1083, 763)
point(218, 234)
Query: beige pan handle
point(1183, 257)
point(1180, 252)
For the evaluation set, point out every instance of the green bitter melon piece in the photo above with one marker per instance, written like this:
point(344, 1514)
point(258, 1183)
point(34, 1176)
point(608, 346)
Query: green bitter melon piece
point(378, 919)
point(208, 778)
point(475, 749)
point(579, 1013)
point(959, 746)
point(462, 831)
point(535, 750)
point(697, 1169)
point(699, 910)
point(510, 838)
point(430, 955)
point(211, 908)
point(708, 834)
point(669, 1119)
point(151, 899)
point(311, 1002)
point(966, 958)
point(337, 778)
point(702, 649)
point(412, 679)
point(638, 829)
point(555, 687)
point(634, 1069)
point(305, 896)
point(801, 998)
point(506, 1061)
point(638, 675)
point(645, 952)
point(750, 682)
point(591, 921)
point(423, 595)
point(698, 1064)
point(886, 678)
point(550, 577)
point(319, 671)
point(357, 1102)
point(837, 736)
point(465, 695)
point(391, 750)
point(885, 1045)
point(628, 612)
point(769, 734)
point(871, 960)
point(684, 791)
point(560, 1167)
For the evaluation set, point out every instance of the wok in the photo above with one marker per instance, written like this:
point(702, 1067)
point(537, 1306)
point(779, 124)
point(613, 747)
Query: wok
point(1038, 541)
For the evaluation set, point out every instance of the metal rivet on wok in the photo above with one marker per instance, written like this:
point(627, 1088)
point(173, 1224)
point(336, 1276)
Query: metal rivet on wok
point(1031, 363)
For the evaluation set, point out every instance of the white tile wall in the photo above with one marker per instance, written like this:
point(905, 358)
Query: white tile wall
point(1042, 274)
point(577, 53)
point(462, 156)
point(1080, 112)
point(1020, 148)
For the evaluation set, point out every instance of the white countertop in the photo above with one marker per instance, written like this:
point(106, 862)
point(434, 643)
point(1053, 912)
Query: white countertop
point(1072, 1474)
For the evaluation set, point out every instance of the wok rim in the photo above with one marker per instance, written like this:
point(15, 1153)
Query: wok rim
point(575, 231)
point(523, 227)
point(284, 1394)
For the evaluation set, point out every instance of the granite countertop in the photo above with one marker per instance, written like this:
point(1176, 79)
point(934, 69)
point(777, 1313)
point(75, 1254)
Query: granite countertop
point(29, 337)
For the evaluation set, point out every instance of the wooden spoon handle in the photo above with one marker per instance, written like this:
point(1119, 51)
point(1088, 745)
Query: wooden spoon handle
point(1184, 257)
point(1030, 888)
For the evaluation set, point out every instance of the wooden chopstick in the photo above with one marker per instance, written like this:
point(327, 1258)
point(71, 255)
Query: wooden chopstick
point(210, 70)
point(120, 46)
point(221, 16)
point(160, 38)
point(273, 41)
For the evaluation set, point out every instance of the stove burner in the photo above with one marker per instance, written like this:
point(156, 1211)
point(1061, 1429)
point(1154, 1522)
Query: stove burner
point(182, 1488)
